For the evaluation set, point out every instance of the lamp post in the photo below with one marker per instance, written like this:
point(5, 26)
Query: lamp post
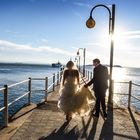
point(76, 61)
point(90, 24)
point(79, 62)
point(84, 55)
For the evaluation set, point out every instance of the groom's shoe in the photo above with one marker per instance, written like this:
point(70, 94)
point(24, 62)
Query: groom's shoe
point(95, 115)
point(68, 118)
point(105, 116)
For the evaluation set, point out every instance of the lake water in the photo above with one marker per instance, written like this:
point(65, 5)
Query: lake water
point(123, 74)
point(12, 73)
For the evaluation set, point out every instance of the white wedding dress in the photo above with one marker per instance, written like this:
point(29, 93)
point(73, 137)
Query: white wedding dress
point(74, 100)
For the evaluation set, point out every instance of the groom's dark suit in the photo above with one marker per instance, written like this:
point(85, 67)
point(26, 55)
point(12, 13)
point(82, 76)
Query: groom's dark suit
point(100, 84)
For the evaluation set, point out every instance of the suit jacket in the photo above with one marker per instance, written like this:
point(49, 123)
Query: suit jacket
point(100, 78)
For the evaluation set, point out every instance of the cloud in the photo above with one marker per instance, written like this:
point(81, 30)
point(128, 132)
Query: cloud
point(78, 15)
point(55, 50)
point(32, 1)
point(10, 31)
point(81, 4)
point(44, 40)
point(10, 45)
point(7, 45)
point(94, 44)
point(15, 33)
point(62, 0)
point(131, 34)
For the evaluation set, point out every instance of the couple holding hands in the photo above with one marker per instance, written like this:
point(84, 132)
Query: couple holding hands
point(75, 99)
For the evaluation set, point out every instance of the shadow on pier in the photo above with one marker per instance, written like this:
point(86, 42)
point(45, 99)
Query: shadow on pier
point(47, 122)
point(62, 133)
point(87, 131)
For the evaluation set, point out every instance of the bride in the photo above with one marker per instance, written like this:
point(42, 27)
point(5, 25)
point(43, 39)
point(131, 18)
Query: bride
point(73, 99)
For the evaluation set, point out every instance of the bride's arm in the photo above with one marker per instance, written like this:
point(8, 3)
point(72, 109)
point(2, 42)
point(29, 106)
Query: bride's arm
point(64, 77)
point(78, 78)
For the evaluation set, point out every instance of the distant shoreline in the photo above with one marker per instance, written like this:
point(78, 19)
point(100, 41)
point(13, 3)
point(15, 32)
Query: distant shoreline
point(117, 66)
point(8, 63)
point(48, 64)
point(108, 65)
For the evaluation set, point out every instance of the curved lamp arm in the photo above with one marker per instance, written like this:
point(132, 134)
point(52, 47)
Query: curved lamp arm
point(101, 5)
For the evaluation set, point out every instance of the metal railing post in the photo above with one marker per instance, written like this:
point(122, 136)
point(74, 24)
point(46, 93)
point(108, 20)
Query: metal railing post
point(57, 78)
point(6, 105)
point(129, 94)
point(84, 59)
point(46, 88)
point(91, 75)
point(112, 92)
point(29, 89)
point(53, 81)
point(88, 75)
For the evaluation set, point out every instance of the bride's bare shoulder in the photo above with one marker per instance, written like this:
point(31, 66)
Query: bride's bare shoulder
point(75, 70)
point(71, 71)
point(76, 73)
point(66, 71)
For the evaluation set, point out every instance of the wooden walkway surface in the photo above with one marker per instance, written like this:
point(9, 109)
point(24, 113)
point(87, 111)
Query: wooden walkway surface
point(47, 122)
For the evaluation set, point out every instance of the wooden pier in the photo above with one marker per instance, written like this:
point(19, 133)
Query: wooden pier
point(46, 122)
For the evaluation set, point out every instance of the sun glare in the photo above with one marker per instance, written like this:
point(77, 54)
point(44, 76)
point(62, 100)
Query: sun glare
point(118, 74)
point(118, 37)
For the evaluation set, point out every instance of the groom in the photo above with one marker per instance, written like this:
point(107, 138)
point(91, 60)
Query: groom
point(100, 85)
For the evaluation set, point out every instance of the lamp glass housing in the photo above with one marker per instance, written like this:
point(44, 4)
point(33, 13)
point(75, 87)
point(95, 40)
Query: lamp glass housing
point(90, 22)
point(78, 53)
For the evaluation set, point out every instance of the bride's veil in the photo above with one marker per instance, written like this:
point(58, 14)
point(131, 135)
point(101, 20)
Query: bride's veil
point(74, 67)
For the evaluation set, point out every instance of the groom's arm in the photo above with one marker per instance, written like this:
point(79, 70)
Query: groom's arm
point(89, 83)
point(78, 78)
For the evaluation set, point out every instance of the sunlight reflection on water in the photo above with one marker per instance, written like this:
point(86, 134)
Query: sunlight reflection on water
point(126, 75)
point(118, 76)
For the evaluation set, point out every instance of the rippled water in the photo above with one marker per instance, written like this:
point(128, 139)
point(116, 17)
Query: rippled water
point(127, 74)
point(12, 73)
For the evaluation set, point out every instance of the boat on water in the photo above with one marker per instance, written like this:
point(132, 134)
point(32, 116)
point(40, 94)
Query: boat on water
point(56, 65)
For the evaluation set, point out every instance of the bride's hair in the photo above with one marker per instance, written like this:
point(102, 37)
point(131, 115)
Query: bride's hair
point(69, 64)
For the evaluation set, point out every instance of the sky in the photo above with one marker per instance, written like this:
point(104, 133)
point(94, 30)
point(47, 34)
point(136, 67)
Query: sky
point(48, 31)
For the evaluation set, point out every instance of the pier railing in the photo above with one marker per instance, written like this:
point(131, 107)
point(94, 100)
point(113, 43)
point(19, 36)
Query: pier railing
point(130, 91)
point(88, 74)
point(55, 81)
point(130, 84)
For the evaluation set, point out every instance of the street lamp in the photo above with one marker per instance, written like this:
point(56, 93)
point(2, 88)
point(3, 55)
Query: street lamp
point(84, 55)
point(90, 24)
point(76, 61)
